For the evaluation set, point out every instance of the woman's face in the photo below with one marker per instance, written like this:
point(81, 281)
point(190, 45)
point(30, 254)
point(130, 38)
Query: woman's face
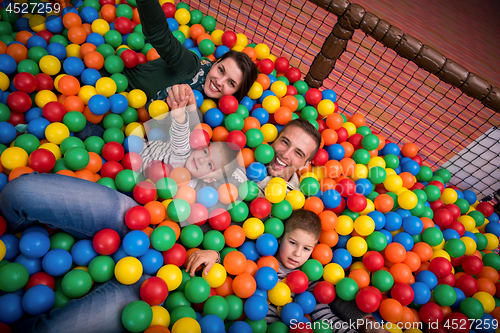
point(223, 79)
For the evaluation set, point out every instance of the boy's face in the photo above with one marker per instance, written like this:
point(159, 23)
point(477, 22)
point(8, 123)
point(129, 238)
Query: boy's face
point(203, 163)
point(296, 247)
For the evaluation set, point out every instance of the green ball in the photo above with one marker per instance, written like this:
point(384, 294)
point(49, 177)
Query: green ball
point(7, 39)
point(377, 175)
point(197, 290)
point(313, 269)
point(105, 50)
point(163, 238)
point(132, 3)
point(114, 64)
point(108, 182)
point(148, 46)
point(207, 47)
point(278, 327)
point(36, 53)
point(444, 295)
point(439, 179)
point(372, 195)
point(376, 241)
point(28, 142)
point(8, 17)
point(309, 113)
point(428, 212)
point(71, 142)
point(309, 186)
point(13, 276)
point(282, 210)
point(113, 135)
point(75, 121)
point(254, 138)
point(137, 316)
point(444, 174)
point(191, 236)
point(301, 100)
point(130, 115)
point(314, 123)
point(425, 174)
point(301, 87)
point(213, 240)
point(179, 35)
point(59, 166)
point(216, 305)
point(196, 16)
point(492, 260)
point(185, 278)
point(178, 210)
point(274, 227)
point(347, 289)
point(363, 130)
point(472, 308)
point(433, 192)
point(249, 190)
point(432, 236)
point(350, 213)
point(135, 41)
point(284, 79)
point(370, 142)
point(482, 241)
point(59, 39)
point(382, 280)
point(62, 240)
point(361, 156)
point(61, 300)
point(181, 312)
point(478, 217)
point(5, 27)
point(416, 238)
point(263, 153)
point(175, 300)
point(418, 210)
point(209, 23)
point(126, 180)
point(166, 188)
point(421, 195)
point(76, 158)
point(235, 305)
point(259, 326)
point(238, 211)
point(102, 268)
point(234, 122)
point(124, 11)
point(113, 38)
point(463, 205)
point(4, 112)
point(76, 283)
point(112, 120)
point(91, 3)
point(94, 144)
point(391, 161)
point(455, 247)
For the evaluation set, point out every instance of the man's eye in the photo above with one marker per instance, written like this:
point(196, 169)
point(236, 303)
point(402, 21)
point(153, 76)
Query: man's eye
point(210, 166)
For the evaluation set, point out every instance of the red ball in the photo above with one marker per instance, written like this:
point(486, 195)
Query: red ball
point(486, 208)
point(113, 151)
point(346, 188)
point(219, 219)
point(144, 192)
point(236, 140)
point(457, 226)
point(141, 58)
point(41, 278)
point(320, 158)
point(313, 96)
point(458, 323)
point(107, 2)
point(321, 125)
point(198, 215)
point(373, 261)
point(324, 292)
point(260, 208)
point(417, 186)
point(455, 211)
point(297, 281)
point(158, 171)
point(342, 135)
point(45, 82)
point(440, 266)
point(154, 291)
point(19, 102)
point(168, 9)
point(42, 160)
point(123, 25)
point(177, 255)
point(467, 284)
point(228, 104)
point(291, 91)
point(293, 75)
point(455, 262)
point(54, 112)
point(111, 169)
point(418, 159)
point(45, 34)
point(340, 207)
point(229, 39)
point(357, 202)
point(281, 64)
point(137, 218)
point(3, 225)
point(472, 265)
point(106, 242)
point(436, 205)
point(438, 184)
point(355, 141)
point(403, 293)
point(16, 119)
point(26, 82)
point(199, 139)
point(448, 279)
point(431, 313)
point(129, 58)
point(443, 217)
point(368, 300)
point(132, 161)
point(266, 66)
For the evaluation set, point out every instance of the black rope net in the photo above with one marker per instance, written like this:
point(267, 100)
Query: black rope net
point(401, 101)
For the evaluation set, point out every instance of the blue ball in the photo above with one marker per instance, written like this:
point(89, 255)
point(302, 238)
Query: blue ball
point(57, 262)
point(33, 113)
point(118, 103)
point(256, 171)
point(99, 104)
point(214, 117)
point(460, 298)
point(59, 51)
point(240, 327)
point(460, 195)
point(428, 278)
point(119, 254)
point(411, 167)
point(391, 148)
point(12, 87)
point(494, 218)
point(12, 308)
point(335, 152)
point(256, 308)
point(207, 196)
point(331, 199)
point(393, 221)
point(291, 313)
point(158, 134)
point(83, 252)
point(329, 94)
point(34, 244)
point(486, 324)
point(89, 14)
point(266, 278)
point(172, 24)
point(470, 235)
point(70, 9)
point(413, 225)
point(136, 243)
point(33, 265)
point(363, 186)
point(7, 132)
point(272, 79)
point(90, 76)
point(387, 235)
point(3, 181)
point(36, 41)
point(342, 257)
point(450, 234)
point(11, 246)
point(133, 143)
point(260, 292)
point(422, 293)
point(198, 96)
point(266, 245)
point(188, 43)
point(249, 250)
point(22, 24)
point(306, 300)
point(73, 66)
point(220, 51)
point(7, 64)
point(470, 196)
point(342, 243)
point(493, 228)
point(151, 261)
point(38, 299)
point(404, 239)
point(261, 115)
point(5, 95)
point(211, 324)
point(404, 213)
point(265, 94)
point(95, 38)
point(54, 24)
point(248, 103)
point(378, 218)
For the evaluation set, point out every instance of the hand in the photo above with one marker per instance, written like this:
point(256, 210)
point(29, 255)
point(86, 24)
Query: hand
point(179, 92)
point(206, 257)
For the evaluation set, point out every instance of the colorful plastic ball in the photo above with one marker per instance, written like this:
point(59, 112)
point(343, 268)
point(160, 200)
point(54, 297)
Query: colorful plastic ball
point(267, 245)
point(128, 270)
point(256, 171)
point(137, 316)
point(472, 308)
point(34, 244)
point(266, 278)
point(197, 290)
point(136, 243)
point(154, 291)
point(163, 238)
point(106, 241)
point(13, 276)
point(57, 262)
point(38, 300)
point(76, 283)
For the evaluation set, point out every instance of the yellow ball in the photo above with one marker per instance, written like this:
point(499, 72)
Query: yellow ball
point(166, 202)
point(135, 128)
point(345, 225)
point(255, 91)
point(468, 222)
point(393, 183)
point(275, 192)
point(53, 148)
point(486, 300)
point(241, 40)
point(105, 86)
point(319, 171)
point(160, 316)
point(279, 88)
point(43, 97)
point(408, 200)
point(308, 174)
point(73, 50)
point(262, 51)
point(271, 57)
point(280, 294)
point(50, 65)
point(86, 92)
point(186, 325)
point(158, 109)
point(278, 180)
point(238, 48)
point(182, 15)
point(270, 132)
point(4, 81)
point(14, 157)
point(376, 161)
point(364, 225)
point(100, 26)
point(56, 132)
point(3, 250)
point(370, 207)
point(207, 105)
point(128, 270)
point(390, 172)
point(137, 98)
point(350, 127)
point(253, 228)
point(449, 196)
point(326, 107)
point(358, 265)
point(37, 23)
point(440, 246)
point(392, 328)
point(216, 276)
point(357, 246)
point(296, 199)
point(333, 273)
point(172, 275)
point(470, 245)
point(217, 36)
point(492, 241)
point(56, 81)
point(360, 172)
point(271, 103)
point(185, 30)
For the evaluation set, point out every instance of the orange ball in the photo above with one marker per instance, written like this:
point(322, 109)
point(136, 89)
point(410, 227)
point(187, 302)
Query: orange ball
point(361, 277)
point(69, 85)
point(358, 120)
point(65, 172)
point(22, 37)
point(423, 250)
point(73, 103)
point(333, 169)
point(173, 225)
point(16, 172)
point(143, 114)
point(108, 13)
point(423, 267)
point(244, 285)
point(234, 236)
point(391, 310)
point(283, 115)
point(227, 193)
point(187, 193)
point(135, 16)
point(250, 122)
point(196, 30)
point(220, 133)
point(202, 37)
point(330, 238)
point(157, 211)
point(251, 267)
point(489, 273)
point(95, 162)
point(87, 28)
point(427, 222)
point(181, 176)
point(334, 121)
point(148, 231)
point(264, 81)
point(408, 316)
point(314, 204)
point(246, 157)
point(330, 137)
point(250, 51)
point(3, 47)
point(328, 220)
point(327, 184)
point(348, 148)
point(409, 150)
point(401, 273)
point(322, 253)
point(157, 329)
point(384, 203)
point(290, 102)
point(77, 35)
point(152, 55)
point(269, 261)
point(226, 288)
point(86, 48)
point(235, 262)
point(17, 51)
point(85, 175)
point(94, 59)
point(486, 285)
point(348, 166)
point(71, 20)
point(90, 116)
point(496, 313)
point(412, 260)
point(408, 179)
point(395, 252)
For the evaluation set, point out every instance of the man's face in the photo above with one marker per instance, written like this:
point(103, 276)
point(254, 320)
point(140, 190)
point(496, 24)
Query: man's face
point(292, 149)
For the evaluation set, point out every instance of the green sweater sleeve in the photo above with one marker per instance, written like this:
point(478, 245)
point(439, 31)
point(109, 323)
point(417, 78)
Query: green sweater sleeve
point(155, 27)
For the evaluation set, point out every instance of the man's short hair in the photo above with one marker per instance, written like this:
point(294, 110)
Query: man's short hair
point(305, 220)
point(309, 129)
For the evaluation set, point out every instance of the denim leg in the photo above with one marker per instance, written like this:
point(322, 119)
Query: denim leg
point(97, 312)
point(90, 129)
point(77, 206)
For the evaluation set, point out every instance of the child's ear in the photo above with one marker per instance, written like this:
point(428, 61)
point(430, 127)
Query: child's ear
point(209, 180)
